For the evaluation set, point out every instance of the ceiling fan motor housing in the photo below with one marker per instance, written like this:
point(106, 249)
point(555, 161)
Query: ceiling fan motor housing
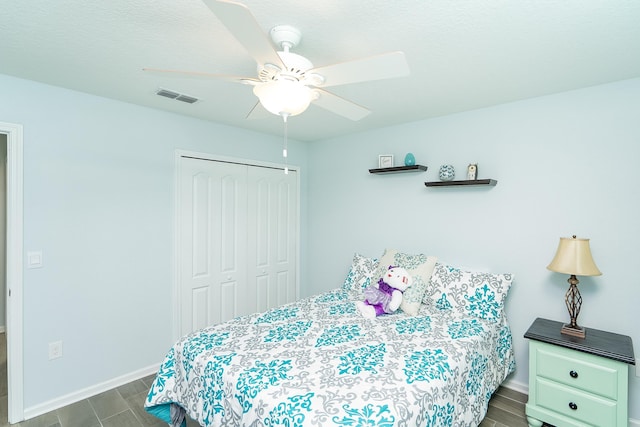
point(296, 66)
point(285, 37)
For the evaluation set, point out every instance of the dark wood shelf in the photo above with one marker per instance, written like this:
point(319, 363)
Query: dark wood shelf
point(399, 169)
point(487, 182)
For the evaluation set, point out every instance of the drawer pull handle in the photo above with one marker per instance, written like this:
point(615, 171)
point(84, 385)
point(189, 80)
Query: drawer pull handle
point(573, 374)
point(573, 406)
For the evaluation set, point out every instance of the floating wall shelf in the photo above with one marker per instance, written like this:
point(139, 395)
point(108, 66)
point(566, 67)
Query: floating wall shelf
point(399, 169)
point(487, 182)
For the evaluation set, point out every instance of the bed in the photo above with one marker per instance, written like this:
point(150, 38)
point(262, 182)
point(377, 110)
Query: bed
point(318, 362)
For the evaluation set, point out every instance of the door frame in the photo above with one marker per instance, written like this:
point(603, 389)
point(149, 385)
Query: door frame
point(179, 154)
point(14, 273)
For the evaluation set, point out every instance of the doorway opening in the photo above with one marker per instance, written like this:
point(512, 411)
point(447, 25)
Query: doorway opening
point(12, 136)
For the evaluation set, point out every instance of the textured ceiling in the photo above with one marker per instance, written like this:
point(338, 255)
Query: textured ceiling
point(463, 54)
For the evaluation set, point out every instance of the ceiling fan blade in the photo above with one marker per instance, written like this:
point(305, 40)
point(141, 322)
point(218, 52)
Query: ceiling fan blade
point(198, 75)
point(240, 22)
point(384, 66)
point(340, 106)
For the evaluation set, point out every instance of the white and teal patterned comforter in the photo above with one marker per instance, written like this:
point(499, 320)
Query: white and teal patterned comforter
point(317, 362)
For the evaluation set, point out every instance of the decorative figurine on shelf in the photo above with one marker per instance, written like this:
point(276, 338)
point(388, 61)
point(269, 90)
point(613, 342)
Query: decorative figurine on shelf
point(447, 173)
point(409, 159)
point(472, 171)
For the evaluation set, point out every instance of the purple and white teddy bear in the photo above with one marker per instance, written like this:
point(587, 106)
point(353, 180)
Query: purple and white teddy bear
point(385, 296)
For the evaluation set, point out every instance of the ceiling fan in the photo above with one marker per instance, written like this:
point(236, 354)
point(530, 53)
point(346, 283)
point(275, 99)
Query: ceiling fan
point(287, 82)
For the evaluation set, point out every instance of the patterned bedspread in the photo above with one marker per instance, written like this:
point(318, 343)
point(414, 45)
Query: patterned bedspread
point(318, 362)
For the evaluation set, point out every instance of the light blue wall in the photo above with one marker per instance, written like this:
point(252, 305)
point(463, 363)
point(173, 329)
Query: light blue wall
point(98, 201)
point(565, 164)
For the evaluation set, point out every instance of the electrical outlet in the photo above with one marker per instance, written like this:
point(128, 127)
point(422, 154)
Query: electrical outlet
point(55, 350)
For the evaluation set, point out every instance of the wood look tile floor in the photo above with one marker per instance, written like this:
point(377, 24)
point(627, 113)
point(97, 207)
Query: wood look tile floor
point(123, 407)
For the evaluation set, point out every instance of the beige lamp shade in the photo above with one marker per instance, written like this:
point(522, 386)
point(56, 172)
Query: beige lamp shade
point(574, 257)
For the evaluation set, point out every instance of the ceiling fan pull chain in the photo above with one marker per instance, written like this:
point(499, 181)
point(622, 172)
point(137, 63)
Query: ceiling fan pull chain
point(284, 149)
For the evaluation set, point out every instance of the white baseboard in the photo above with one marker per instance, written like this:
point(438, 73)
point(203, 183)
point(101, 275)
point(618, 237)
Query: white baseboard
point(523, 388)
point(3, 329)
point(88, 392)
point(516, 386)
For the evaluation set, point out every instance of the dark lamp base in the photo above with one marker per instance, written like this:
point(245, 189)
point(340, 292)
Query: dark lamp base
point(574, 332)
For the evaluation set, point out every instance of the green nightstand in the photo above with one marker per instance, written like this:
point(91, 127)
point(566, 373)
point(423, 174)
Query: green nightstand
point(577, 382)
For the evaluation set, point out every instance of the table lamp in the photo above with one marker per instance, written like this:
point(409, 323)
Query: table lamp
point(574, 257)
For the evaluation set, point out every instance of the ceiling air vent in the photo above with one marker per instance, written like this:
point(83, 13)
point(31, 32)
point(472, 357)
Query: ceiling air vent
point(167, 93)
point(177, 96)
point(186, 98)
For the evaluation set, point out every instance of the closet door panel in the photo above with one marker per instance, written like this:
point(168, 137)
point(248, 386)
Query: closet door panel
point(272, 243)
point(262, 292)
point(198, 207)
point(212, 242)
point(285, 242)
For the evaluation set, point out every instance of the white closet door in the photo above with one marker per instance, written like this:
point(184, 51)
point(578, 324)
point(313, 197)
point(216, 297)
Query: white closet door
point(273, 213)
point(212, 242)
point(237, 240)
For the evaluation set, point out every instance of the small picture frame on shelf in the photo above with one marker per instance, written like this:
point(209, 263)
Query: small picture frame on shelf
point(385, 161)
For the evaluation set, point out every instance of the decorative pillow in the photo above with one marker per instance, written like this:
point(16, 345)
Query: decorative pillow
point(361, 273)
point(469, 293)
point(420, 267)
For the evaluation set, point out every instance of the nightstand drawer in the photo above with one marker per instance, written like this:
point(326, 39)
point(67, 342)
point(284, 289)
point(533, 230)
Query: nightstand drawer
point(576, 404)
point(578, 370)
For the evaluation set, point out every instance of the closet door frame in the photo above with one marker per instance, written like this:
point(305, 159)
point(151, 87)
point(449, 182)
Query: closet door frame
point(179, 154)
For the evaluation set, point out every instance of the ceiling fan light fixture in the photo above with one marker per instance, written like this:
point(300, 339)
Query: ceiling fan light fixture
point(283, 96)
